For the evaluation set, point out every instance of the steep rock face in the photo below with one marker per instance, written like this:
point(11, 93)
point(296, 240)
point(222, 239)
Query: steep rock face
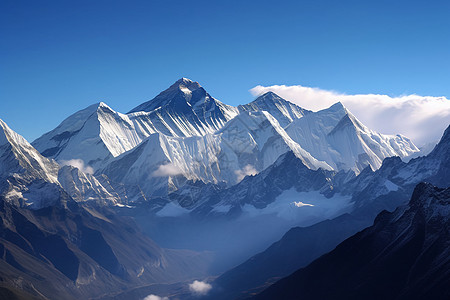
point(282, 110)
point(441, 156)
point(188, 103)
point(335, 136)
point(404, 255)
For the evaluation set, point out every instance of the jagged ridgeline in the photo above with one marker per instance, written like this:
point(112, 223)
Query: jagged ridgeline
point(93, 208)
point(185, 132)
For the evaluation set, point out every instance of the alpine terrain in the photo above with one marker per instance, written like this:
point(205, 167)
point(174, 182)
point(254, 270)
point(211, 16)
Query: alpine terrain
point(186, 197)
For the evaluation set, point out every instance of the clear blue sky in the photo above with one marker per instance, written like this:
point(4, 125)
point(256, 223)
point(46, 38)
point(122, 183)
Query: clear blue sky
point(57, 57)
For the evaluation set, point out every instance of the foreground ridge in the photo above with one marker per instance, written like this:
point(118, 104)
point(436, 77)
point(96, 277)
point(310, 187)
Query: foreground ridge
point(404, 255)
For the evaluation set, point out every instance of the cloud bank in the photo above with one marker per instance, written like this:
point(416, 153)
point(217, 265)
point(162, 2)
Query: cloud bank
point(421, 118)
point(167, 170)
point(199, 288)
point(79, 164)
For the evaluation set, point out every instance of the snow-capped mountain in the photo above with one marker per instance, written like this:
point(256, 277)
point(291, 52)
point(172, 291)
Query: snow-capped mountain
point(259, 135)
point(185, 134)
point(246, 145)
point(404, 255)
point(391, 185)
point(98, 133)
point(94, 135)
point(335, 136)
point(28, 179)
point(282, 110)
point(19, 157)
point(188, 109)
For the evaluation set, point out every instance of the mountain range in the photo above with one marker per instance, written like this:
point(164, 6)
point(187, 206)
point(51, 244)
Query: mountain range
point(184, 131)
point(183, 187)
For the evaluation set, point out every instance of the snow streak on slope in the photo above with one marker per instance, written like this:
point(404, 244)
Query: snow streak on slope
point(98, 133)
point(282, 110)
point(252, 140)
point(335, 136)
point(26, 177)
point(86, 187)
point(94, 135)
point(188, 99)
point(29, 179)
point(18, 156)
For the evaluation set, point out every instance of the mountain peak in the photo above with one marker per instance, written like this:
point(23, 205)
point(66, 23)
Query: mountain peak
point(102, 104)
point(6, 134)
point(3, 125)
point(20, 157)
point(270, 97)
point(281, 109)
point(184, 80)
point(338, 106)
point(94, 107)
point(3, 128)
point(269, 94)
point(442, 148)
point(185, 85)
point(179, 92)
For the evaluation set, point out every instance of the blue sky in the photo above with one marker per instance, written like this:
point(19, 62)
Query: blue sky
point(57, 57)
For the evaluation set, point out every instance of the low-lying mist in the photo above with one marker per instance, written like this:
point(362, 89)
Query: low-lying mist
point(235, 240)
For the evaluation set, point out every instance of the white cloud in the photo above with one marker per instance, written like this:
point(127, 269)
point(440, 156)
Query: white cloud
point(247, 170)
point(167, 170)
point(199, 288)
point(421, 118)
point(155, 297)
point(79, 164)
